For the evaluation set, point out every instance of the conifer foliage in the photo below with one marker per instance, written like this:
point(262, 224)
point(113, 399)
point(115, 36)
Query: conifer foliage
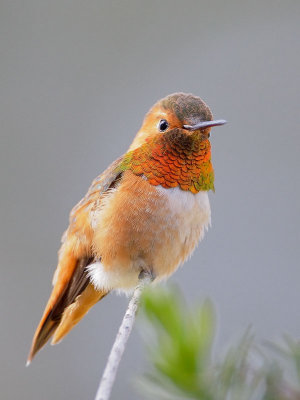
point(186, 365)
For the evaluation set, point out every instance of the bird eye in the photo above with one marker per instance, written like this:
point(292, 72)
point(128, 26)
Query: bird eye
point(163, 125)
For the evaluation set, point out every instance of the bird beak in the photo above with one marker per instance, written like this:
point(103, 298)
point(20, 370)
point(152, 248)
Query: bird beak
point(204, 124)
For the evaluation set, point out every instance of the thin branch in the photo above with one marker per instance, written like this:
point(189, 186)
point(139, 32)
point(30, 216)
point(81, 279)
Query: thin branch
point(109, 374)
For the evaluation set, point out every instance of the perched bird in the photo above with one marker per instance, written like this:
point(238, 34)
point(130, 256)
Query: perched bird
point(146, 212)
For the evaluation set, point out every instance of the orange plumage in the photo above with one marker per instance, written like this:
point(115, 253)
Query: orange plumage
point(147, 211)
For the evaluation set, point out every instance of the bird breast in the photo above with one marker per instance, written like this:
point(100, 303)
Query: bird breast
point(143, 226)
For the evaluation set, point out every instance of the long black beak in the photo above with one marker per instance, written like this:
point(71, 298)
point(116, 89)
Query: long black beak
point(204, 124)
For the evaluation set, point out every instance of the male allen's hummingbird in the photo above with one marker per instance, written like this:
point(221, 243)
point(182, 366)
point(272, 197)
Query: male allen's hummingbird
point(146, 212)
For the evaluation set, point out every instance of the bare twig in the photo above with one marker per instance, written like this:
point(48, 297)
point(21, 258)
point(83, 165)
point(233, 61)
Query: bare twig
point(109, 374)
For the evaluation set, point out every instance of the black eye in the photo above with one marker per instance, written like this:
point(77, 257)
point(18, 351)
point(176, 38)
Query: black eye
point(163, 125)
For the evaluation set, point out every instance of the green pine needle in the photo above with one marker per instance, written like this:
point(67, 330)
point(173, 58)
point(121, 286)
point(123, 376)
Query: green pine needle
point(183, 365)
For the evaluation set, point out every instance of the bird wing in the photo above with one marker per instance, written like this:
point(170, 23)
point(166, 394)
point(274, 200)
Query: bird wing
point(73, 294)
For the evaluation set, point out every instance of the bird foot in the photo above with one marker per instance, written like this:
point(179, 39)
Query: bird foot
point(146, 274)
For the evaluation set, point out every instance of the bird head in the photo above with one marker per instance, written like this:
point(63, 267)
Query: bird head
point(172, 147)
point(179, 114)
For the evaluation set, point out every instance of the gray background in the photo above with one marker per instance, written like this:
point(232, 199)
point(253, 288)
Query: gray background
point(76, 80)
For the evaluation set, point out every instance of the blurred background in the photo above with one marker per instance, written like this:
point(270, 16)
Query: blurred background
point(76, 79)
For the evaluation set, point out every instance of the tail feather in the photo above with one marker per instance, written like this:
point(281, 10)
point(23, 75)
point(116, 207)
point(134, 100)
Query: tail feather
point(68, 303)
point(76, 311)
point(41, 338)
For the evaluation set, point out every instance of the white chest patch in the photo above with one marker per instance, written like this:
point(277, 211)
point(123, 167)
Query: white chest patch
point(181, 200)
point(188, 207)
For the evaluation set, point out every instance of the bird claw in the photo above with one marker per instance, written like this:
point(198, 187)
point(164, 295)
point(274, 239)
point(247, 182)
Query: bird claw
point(146, 274)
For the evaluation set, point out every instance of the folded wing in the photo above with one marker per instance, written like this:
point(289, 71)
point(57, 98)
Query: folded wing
point(73, 293)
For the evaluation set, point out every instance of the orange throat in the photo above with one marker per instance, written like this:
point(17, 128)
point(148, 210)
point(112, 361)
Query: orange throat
point(173, 160)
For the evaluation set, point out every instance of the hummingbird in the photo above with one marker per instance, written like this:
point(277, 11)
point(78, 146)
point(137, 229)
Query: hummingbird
point(145, 213)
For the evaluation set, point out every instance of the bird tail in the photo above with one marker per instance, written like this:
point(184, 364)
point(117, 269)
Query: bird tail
point(72, 296)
